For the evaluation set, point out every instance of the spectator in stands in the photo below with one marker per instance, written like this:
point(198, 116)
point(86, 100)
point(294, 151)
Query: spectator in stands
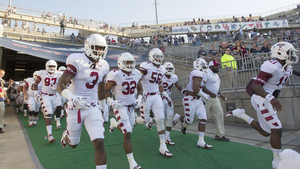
point(72, 37)
point(34, 26)
point(75, 21)
point(264, 47)
point(38, 30)
point(194, 41)
point(229, 45)
point(48, 16)
point(198, 40)
point(59, 16)
point(43, 15)
point(256, 49)
point(113, 42)
point(246, 47)
point(71, 20)
point(63, 25)
point(16, 24)
point(170, 38)
point(176, 41)
point(26, 25)
point(8, 9)
point(14, 10)
point(269, 48)
point(5, 21)
point(202, 53)
point(53, 17)
point(162, 48)
point(229, 63)
point(223, 47)
point(44, 31)
point(239, 49)
point(165, 40)
point(182, 40)
point(3, 97)
point(212, 52)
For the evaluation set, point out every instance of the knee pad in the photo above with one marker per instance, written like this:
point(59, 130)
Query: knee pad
point(160, 124)
point(58, 111)
point(125, 126)
point(169, 121)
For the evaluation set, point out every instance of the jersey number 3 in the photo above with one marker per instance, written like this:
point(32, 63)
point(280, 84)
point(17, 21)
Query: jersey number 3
point(95, 80)
point(130, 87)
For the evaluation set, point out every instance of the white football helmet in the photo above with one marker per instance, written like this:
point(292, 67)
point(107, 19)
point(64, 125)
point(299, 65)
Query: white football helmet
point(169, 67)
point(90, 46)
point(123, 62)
point(285, 51)
point(156, 56)
point(51, 63)
point(35, 75)
point(62, 68)
point(200, 64)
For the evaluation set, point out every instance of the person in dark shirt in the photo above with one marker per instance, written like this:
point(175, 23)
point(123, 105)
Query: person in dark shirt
point(213, 52)
point(264, 48)
point(229, 45)
point(268, 48)
point(202, 53)
point(257, 50)
point(253, 47)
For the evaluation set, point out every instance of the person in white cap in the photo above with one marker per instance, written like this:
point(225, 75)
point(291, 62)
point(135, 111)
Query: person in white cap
point(212, 88)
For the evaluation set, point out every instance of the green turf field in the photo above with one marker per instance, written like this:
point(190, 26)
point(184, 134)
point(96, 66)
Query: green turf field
point(224, 155)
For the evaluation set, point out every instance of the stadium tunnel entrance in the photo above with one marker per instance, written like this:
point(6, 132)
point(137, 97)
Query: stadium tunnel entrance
point(20, 59)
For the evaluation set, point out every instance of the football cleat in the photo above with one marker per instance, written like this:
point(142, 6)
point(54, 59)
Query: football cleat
point(170, 142)
point(149, 124)
point(112, 125)
point(175, 119)
point(164, 151)
point(62, 140)
point(30, 123)
point(25, 114)
point(50, 138)
point(34, 122)
point(137, 167)
point(239, 112)
point(62, 116)
point(275, 163)
point(57, 121)
point(202, 144)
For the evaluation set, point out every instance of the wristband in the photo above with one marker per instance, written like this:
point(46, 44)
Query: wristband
point(102, 103)
point(269, 97)
point(140, 97)
point(67, 94)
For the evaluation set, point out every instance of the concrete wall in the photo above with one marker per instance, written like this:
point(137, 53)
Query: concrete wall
point(289, 117)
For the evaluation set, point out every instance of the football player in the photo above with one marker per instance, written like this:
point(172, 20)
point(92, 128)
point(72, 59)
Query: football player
point(83, 95)
point(152, 73)
point(49, 79)
point(264, 90)
point(24, 101)
point(33, 105)
point(193, 103)
point(168, 82)
point(125, 81)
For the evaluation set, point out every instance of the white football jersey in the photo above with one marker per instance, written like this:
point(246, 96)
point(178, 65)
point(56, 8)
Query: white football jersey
point(272, 68)
point(196, 73)
point(168, 83)
point(86, 79)
point(48, 80)
point(125, 85)
point(153, 75)
point(29, 85)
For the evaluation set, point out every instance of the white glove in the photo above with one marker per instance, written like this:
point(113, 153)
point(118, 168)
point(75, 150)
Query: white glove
point(183, 91)
point(138, 102)
point(37, 96)
point(80, 103)
point(165, 94)
point(104, 108)
point(76, 100)
point(114, 103)
point(204, 96)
